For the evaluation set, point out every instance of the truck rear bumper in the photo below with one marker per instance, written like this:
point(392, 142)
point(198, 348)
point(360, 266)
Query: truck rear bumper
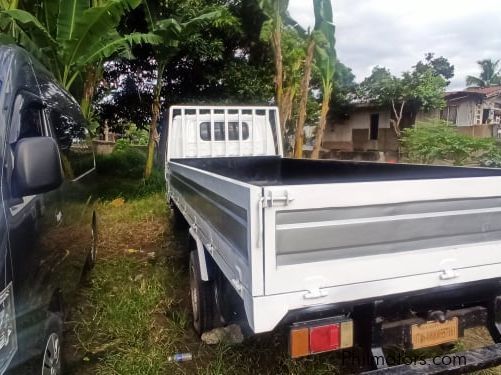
point(387, 322)
point(268, 311)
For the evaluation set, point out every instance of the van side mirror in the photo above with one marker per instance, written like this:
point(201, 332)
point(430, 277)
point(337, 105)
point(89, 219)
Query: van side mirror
point(37, 166)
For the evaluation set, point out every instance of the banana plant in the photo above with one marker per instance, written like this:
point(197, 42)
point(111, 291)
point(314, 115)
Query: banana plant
point(303, 96)
point(276, 11)
point(325, 60)
point(73, 37)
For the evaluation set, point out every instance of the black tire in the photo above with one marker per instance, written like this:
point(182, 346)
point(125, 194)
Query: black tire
point(91, 259)
point(203, 304)
point(51, 359)
point(230, 305)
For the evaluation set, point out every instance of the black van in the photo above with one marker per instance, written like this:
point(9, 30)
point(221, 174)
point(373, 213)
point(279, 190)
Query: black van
point(48, 226)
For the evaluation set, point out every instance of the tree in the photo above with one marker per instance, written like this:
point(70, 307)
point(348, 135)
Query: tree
point(303, 96)
point(490, 74)
point(276, 11)
point(325, 60)
point(124, 95)
point(171, 31)
point(293, 55)
point(229, 65)
point(439, 65)
point(73, 38)
point(414, 90)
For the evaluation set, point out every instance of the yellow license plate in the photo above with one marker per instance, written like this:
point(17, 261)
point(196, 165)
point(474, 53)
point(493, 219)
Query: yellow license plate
point(434, 333)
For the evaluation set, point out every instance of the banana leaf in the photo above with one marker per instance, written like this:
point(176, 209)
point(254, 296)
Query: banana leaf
point(325, 52)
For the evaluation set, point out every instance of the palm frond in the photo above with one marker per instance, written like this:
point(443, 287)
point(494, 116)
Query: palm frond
point(475, 81)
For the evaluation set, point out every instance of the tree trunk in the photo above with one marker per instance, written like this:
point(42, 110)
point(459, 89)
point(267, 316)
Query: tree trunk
point(279, 74)
point(398, 118)
point(287, 101)
point(304, 93)
point(92, 75)
point(155, 115)
point(321, 126)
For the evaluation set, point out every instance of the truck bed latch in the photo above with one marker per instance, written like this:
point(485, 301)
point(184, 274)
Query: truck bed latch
point(315, 293)
point(274, 200)
point(448, 274)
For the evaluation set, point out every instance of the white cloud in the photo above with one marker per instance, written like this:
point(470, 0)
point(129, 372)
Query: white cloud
point(397, 33)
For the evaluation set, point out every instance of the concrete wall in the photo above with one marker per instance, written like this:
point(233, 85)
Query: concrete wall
point(477, 131)
point(353, 133)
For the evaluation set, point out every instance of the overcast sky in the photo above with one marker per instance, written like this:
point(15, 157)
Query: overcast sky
point(397, 33)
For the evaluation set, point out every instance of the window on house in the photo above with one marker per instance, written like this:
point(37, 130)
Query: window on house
point(449, 114)
point(485, 116)
point(374, 127)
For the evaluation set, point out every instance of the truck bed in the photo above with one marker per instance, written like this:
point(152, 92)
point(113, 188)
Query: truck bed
point(276, 171)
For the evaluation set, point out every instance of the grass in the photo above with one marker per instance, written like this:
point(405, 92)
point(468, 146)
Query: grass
point(134, 310)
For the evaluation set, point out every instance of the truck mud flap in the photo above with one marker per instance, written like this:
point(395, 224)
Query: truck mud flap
point(454, 363)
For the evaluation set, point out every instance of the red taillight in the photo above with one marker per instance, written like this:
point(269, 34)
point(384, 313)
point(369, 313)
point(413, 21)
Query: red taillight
point(324, 338)
point(314, 337)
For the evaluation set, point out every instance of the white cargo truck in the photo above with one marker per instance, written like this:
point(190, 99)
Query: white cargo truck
point(343, 253)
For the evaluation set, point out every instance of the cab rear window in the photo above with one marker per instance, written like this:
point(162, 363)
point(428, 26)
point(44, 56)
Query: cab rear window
point(220, 131)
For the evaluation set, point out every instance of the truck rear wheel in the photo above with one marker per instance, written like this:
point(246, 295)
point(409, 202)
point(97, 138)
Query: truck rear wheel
point(203, 302)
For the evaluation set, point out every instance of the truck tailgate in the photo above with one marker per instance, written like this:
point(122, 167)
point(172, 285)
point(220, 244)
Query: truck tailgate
point(325, 235)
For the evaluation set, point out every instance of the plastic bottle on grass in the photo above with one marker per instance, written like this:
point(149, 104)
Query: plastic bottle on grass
point(180, 357)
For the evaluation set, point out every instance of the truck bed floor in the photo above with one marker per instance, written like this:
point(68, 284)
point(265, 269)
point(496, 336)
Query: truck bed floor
point(272, 171)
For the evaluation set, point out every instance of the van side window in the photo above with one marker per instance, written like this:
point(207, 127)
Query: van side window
point(27, 119)
point(76, 150)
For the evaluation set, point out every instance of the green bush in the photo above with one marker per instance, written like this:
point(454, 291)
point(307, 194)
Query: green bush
point(492, 158)
point(124, 161)
point(136, 136)
point(437, 141)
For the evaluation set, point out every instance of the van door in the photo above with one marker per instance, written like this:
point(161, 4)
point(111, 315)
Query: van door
point(8, 332)
point(29, 219)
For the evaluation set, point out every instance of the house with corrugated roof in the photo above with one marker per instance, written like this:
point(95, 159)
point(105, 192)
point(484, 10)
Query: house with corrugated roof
point(475, 111)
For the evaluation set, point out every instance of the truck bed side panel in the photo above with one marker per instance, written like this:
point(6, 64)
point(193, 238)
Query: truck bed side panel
point(225, 214)
point(320, 236)
point(304, 236)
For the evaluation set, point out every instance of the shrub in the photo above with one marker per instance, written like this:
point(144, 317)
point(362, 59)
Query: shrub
point(492, 158)
point(436, 140)
point(124, 161)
